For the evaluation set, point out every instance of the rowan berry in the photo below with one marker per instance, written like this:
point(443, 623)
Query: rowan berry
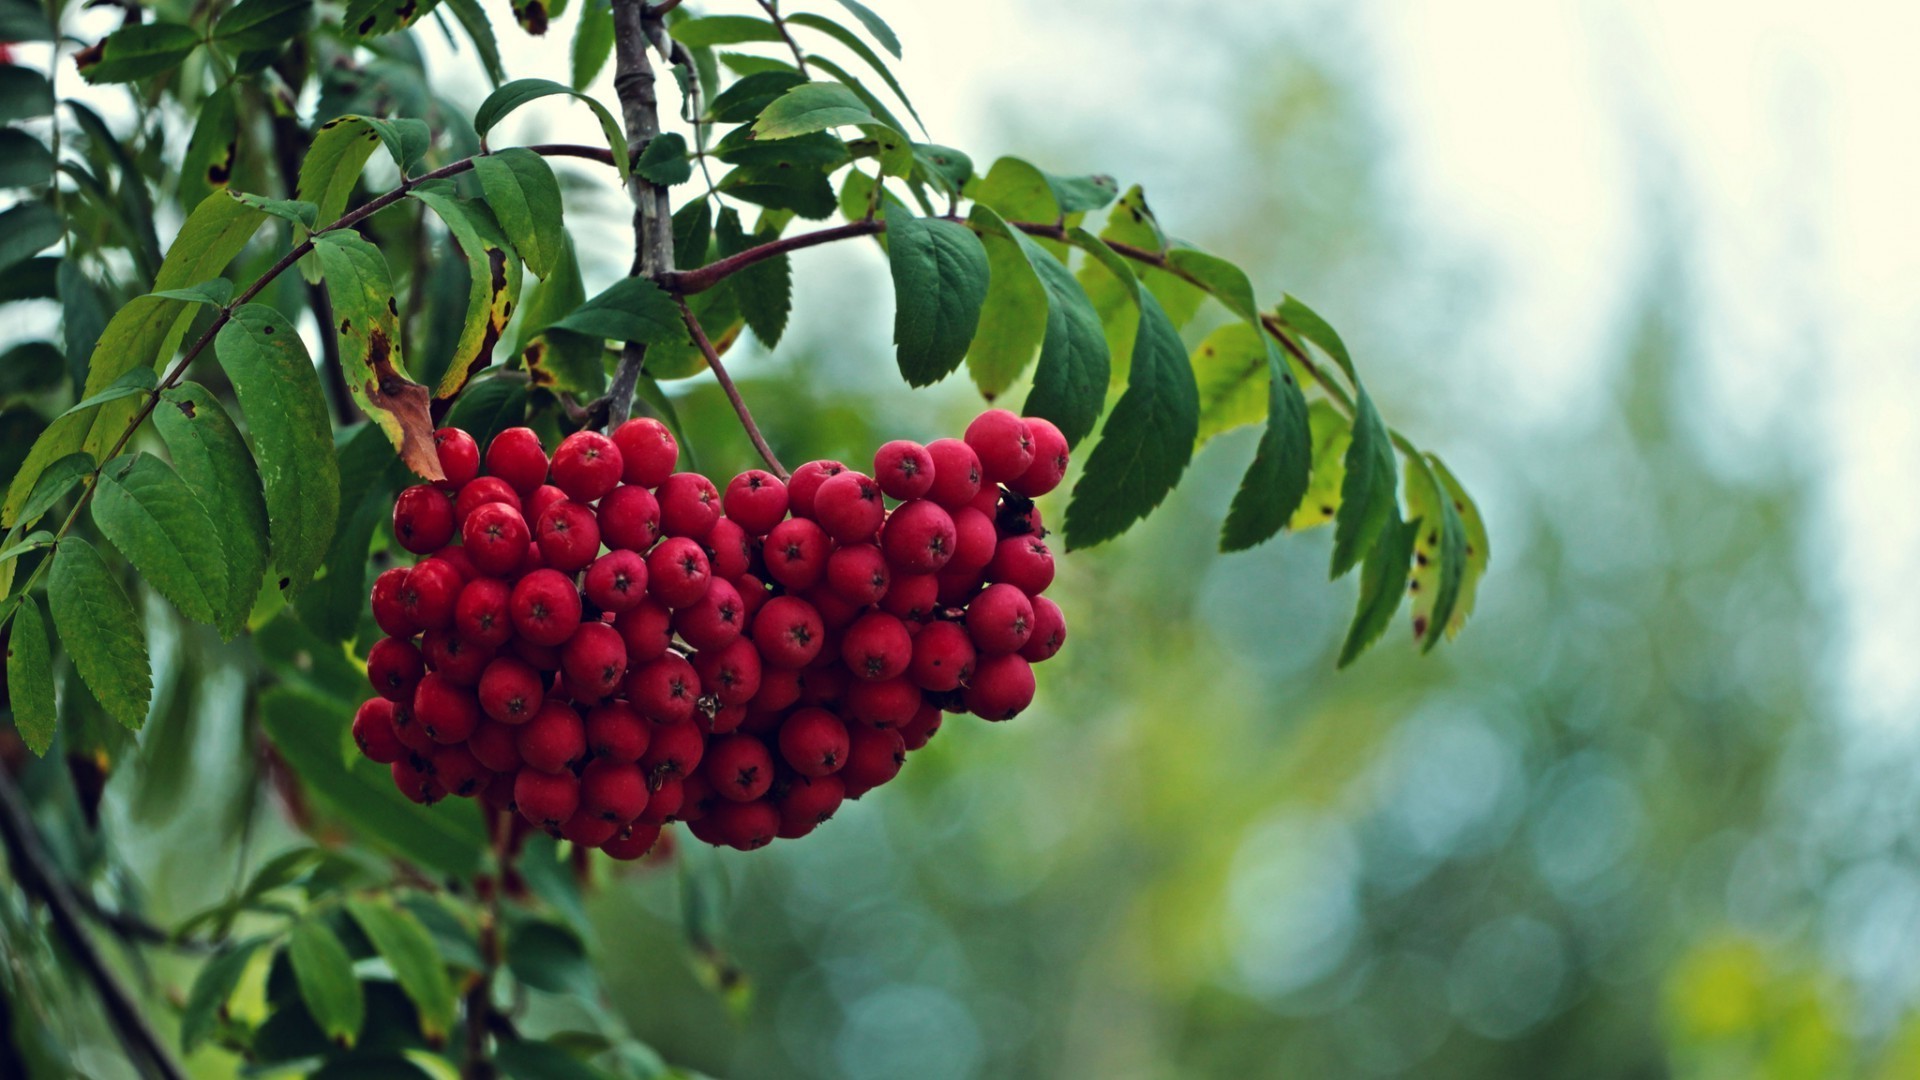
point(1049, 631)
point(943, 657)
point(422, 518)
point(1003, 442)
point(874, 757)
point(569, 536)
point(689, 505)
point(516, 456)
point(756, 500)
point(1049, 460)
point(813, 741)
point(796, 553)
point(956, 473)
point(919, 537)
point(615, 790)
point(903, 469)
point(805, 483)
point(674, 750)
point(807, 803)
point(587, 465)
point(745, 826)
point(1000, 620)
point(595, 660)
point(617, 731)
point(446, 712)
point(546, 798)
point(1024, 562)
point(647, 630)
point(647, 451)
point(496, 539)
point(629, 518)
point(739, 767)
point(716, 619)
point(664, 690)
point(459, 457)
point(877, 646)
point(849, 507)
point(394, 667)
point(617, 581)
point(373, 731)
point(481, 491)
point(1001, 687)
point(390, 611)
point(545, 608)
point(788, 632)
point(455, 657)
point(480, 614)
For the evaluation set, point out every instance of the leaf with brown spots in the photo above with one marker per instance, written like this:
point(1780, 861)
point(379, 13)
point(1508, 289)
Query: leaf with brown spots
point(1439, 553)
point(361, 291)
point(493, 270)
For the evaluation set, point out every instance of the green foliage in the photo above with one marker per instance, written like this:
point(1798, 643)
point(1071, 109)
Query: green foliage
point(149, 513)
point(324, 972)
point(30, 677)
point(217, 468)
point(939, 284)
point(100, 630)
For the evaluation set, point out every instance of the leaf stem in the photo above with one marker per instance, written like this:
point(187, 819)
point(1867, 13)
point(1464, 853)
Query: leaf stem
point(772, 8)
point(727, 386)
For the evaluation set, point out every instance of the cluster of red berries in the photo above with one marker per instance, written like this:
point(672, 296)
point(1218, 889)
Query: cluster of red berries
point(606, 645)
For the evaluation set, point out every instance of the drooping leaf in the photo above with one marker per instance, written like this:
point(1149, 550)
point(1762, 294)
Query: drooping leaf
point(1477, 551)
point(1331, 434)
point(324, 973)
point(858, 48)
point(55, 482)
point(24, 160)
point(940, 279)
point(213, 293)
point(883, 116)
point(1230, 366)
point(60, 440)
point(366, 321)
point(810, 107)
point(293, 211)
point(26, 229)
point(262, 24)
point(213, 460)
point(132, 384)
point(592, 42)
point(410, 952)
point(875, 25)
point(30, 677)
point(631, 309)
point(139, 51)
point(493, 286)
point(1311, 326)
point(292, 435)
point(1383, 581)
point(722, 30)
point(942, 166)
point(781, 186)
point(525, 198)
point(762, 292)
point(1013, 318)
point(742, 101)
point(520, 91)
point(473, 19)
point(1276, 482)
point(157, 522)
point(100, 630)
point(1439, 553)
point(24, 93)
point(1367, 495)
point(216, 982)
point(1070, 382)
point(30, 367)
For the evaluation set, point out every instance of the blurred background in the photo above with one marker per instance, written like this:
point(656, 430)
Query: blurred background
point(1644, 272)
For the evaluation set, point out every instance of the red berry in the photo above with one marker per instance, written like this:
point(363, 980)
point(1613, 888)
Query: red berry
point(805, 482)
point(458, 771)
point(678, 572)
point(373, 731)
point(666, 795)
point(1004, 443)
point(546, 798)
point(412, 776)
point(587, 829)
point(836, 611)
point(647, 451)
point(394, 667)
point(1000, 620)
point(943, 657)
point(543, 498)
point(753, 593)
point(595, 660)
point(481, 491)
point(647, 629)
point(1001, 687)
point(824, 686)
point(956, 473)
point(912, 597)
point(779, 688)
point(617, 581)
point(1023, 562)
point(988, 501)
point(756, 500)
point(429, 593)
point(974, 541)
point(714, 620)
point(674, 750)
point(874, 756)
point(456, 556)
point(745, 826)
point(493, 745)
point(455, 657)
point(390, 610)
point(858, 574)
point(1049, 460)
point(729, 549)
point(731, 673)
point(629, 518)
point(545, 608)
point(725, 718)
point(689, 505)
point(614, 790)
point(919, 537)
point(617, 731)
point(904, 470)
point(446, 712)
point(957, 587)
point(408, 731)
point(796, 553)
point(739, 767)
point(516, 456)
point(813, 741)
point(587, 465)
point(569, 536)
point(632, 842)
point(849, 507)
point(665, 690)
point(459, 458)
point(496, 537)
point(807, 803)
point(422, 519)
point(542, 657)
point(877, 646)
point(553, 740)
point(918, 731)
point(788, 631)
point(881, 703)
point(1049, 631)
point(480, 613)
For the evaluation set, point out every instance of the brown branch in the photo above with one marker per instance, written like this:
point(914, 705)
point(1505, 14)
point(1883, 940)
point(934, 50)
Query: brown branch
point(689, 282)
point(733, 392)
point(772, 8)
point(634, 28)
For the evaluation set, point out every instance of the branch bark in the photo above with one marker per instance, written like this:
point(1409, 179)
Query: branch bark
point(635, 26)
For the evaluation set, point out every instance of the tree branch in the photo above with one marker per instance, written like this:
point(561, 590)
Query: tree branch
point(726, 385)
point(689, 282)
point(634, 27)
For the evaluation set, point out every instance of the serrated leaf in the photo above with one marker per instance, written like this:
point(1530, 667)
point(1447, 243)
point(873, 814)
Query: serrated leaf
point(366, 322)
point(409, 950)
point(24, 93)
point(780, 186)
point(24, 160)
point(722, 30)
point(328, 174)
point(294, 211)
point(140, 51)
point(30, 677)
point(61, 439)
point(742, 101)
point(1439, 553)
point(262, 24)
point(875, 25)
point(100, 630)
point(1367, 499)
point(1013, 318)
point(592, 42)
point(1230, 366)
point(631, 309)
point(859, 48)
point(493, 285)
point(212, 150)
point(56, 480)
point(1070, 382)
point(373, 18)
point(762, 292)
point(473, 19)
point(214, 462)
point(1148, 438)
point(693, 233)
point(1275, 483)
point(1331, 433)
point(324, 973)
point(287, 416)
point(1383, 581)
point(520, 91)
point(1021, 191)
point(1223, 280)
point(216, 981)
point(1478, 552)
point(1311, 326)
point(664, 161)
point(940, 279)
point(146, 510)
point(525, 198)
point(811, 107)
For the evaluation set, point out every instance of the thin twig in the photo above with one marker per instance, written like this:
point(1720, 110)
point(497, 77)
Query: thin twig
point(726, 385)
point(772, 8)
point(689, 282)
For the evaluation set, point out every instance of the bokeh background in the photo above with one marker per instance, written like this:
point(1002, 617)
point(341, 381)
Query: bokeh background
point(1645, 272)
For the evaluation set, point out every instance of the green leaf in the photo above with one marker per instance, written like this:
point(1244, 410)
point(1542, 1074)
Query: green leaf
point(1311, 326)
point(292, 435)
point(1367, 501)
point(488, 407)
point(1230, 366)
point(940, 279)
point(24, 160)
point(333, 605)
point(1331, 433)
point(1439, 553)
point(875, 25)
point(664, 161)
point(56, 480)
point(1226, 282)
point(216, 981)
point(742, 101)
point(30, 677)
point(36, 541)
point(133, 383)
point(61, 439)
point(213, 460)
point(524, 195)
point(520, 91)
point(811, 107)
point(335, 158)
point(327, 984)
point(549, 957)
point(310, 732)
point(157, 522)
point(493, 280)
point(473, 19)
point(859, 48)
point(631, 309)
point(1277, 480)
point(24, 93)
point(262, 24)
point(304, 214)
point(559, 359)
point(744, 64)
point(410, 952)
point(592, 42)
point(373, 18)
point(1014, 317)
point(366, 321)
point(943, 166)
point(212, 149)
point(763, 291)
point(1148, 438)
point(100, 630)
point(524, 1060)
point(722, 30)
point(214, 293)
point(22, 20)
point(1021, 191)
point(1477, 551)
point(1070, 383)
point(779, 186)
point(27, 229)
point(141, 51)
point(1383, 581)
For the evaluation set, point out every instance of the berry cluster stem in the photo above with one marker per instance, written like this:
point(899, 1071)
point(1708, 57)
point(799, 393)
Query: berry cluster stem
point(733, 392)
